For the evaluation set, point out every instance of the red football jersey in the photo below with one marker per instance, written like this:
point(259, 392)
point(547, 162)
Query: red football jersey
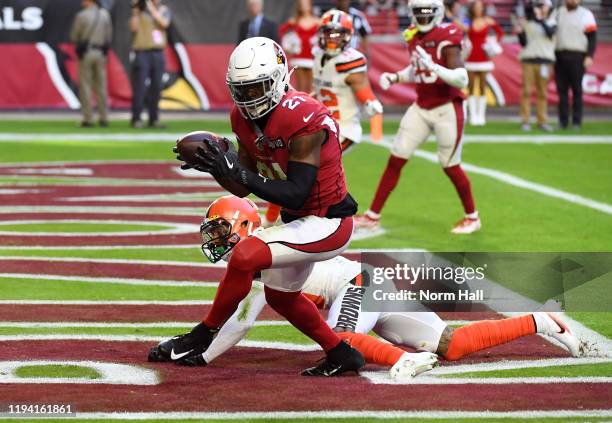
point(431, 90)
point(296, 115)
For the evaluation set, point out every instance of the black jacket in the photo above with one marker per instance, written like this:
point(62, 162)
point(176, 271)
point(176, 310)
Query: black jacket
point(267, 29)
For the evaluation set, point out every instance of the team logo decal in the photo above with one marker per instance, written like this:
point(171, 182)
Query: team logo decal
point(280, 56)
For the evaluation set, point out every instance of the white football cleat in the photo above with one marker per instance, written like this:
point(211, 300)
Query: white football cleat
point(467, 225)
point(364, 221)
point(413, 364)
point(551, 325)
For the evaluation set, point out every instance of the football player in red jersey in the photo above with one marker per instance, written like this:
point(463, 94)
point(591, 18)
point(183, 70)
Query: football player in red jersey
point(437, 69)
point(289, 154)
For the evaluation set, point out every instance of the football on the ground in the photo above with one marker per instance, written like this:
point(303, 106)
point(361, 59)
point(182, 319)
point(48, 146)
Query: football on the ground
point(187, 145)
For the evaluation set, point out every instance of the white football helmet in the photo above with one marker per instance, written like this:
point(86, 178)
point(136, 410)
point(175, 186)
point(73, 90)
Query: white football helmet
point(257, 76)
point(426, 14)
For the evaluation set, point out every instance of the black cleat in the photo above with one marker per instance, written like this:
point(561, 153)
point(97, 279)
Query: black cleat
point(193, 361)
point(182, 347)
point(340, 359)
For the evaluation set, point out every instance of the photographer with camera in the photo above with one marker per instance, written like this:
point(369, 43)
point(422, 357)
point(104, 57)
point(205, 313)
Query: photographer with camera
point(92, 33)
point(536, 34)
point(149, 22)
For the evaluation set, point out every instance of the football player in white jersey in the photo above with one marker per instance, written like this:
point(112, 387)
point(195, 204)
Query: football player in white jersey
point(341, 80)
point(336, 285)
point(341, 83)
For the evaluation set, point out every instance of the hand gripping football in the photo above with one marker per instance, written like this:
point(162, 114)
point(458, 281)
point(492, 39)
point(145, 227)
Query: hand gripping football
point(186, 146)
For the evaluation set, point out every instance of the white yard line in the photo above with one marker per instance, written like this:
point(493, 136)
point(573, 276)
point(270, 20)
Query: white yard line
point(156, 210)
point(107, 302)
point(167, 137)
point(51, 325)
point(523, 183)
point(142, 338)
point(517, 182)
point(432, 377)
point(112, 261)
point(120, 281)
point(333, 414)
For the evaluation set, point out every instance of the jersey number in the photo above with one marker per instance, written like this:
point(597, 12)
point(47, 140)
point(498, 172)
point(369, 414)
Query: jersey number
point(275, 172)
point(422, 75)
point(330, 100)
point(292, 103)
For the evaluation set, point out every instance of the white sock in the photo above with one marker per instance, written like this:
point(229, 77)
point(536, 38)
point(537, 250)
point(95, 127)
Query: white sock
point(473, 215)
point(472, 109)
point(482, 109)
point(372, 215)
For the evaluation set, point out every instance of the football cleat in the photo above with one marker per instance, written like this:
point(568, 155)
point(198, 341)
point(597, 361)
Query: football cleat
point(413, 364)
point(340, 359)
point(466, 225)
point(551, 325)
point(183, 347)
point(363, 221)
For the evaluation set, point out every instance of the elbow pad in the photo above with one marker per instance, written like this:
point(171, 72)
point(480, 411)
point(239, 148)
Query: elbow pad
point(456, 77)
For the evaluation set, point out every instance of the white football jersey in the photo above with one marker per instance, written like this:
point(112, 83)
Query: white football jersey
point(332, 90)
point(328, 278)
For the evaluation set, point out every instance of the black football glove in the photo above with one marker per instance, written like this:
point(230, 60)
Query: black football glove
point(220, 164)
point(184, 166)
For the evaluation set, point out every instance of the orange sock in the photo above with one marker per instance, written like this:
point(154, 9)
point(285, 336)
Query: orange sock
point(488, 333)
point(373, 350)
point(272, 212)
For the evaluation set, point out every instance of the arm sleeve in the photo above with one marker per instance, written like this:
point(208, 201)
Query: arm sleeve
point(592, 43)
point(457, 77)
point(498, 30)
point(238, 325)
point(291, 193)
point(75, 32)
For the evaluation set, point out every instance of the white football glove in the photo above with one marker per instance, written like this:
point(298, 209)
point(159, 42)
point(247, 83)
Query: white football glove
point(425, 59)
point(373, 107)
point(413, 364)
point(386, 80)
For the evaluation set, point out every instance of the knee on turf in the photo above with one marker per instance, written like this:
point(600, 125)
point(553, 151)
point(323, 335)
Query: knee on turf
point(250, 255)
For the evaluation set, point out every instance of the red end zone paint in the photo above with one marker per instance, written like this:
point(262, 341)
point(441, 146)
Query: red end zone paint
point(268, 380)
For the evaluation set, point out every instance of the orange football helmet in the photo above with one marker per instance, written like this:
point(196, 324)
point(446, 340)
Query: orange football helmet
point(228, 220)
point(335, 31)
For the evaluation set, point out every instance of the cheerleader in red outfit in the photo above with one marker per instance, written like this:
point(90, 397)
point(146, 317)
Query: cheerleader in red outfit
point(298, 36)
point(478, 63)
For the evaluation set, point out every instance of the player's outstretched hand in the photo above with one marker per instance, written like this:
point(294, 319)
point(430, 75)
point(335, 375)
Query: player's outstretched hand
point(386, 80)
point(425, 58)
point(221, 165)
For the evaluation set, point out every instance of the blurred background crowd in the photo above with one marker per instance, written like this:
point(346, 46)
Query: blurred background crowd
point(170, 51)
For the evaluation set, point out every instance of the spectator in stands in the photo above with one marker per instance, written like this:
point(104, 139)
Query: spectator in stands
point(92, 33)
point(478, 62)
point(574, 50)
point(452, 10)
point(536, 34)
point(360, 24)
point(149, 22)
point(257, 25)
point(298, 37)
